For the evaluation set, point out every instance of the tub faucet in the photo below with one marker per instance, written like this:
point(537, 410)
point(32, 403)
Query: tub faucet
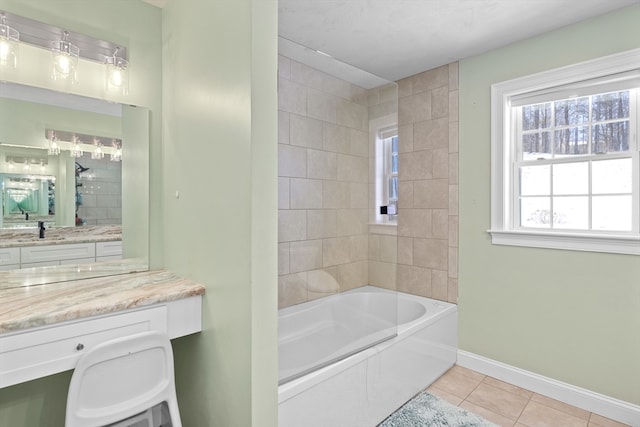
point(41, 229)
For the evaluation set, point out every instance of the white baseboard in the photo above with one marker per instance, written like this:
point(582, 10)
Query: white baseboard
point(600, 404)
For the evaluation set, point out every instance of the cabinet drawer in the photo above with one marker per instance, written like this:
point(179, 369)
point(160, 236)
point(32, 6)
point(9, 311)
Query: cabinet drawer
point(9, 256)
point(39, 264)
point(38, 352)
point(104, 249)
point(33, 254)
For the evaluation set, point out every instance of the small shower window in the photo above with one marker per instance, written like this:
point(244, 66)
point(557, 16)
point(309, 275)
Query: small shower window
point(391, 175)
point(386, 161)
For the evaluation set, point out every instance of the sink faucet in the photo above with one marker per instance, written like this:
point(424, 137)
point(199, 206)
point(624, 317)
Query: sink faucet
point(41, 229)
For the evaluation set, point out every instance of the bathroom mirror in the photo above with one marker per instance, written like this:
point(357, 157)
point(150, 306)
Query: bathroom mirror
point(27, 198)
point(73, 193)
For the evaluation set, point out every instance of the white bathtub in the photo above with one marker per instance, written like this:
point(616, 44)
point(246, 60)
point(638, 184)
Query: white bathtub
point(364, 388)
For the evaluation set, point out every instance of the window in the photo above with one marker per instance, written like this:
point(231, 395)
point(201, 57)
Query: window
point(390, 175)
point(574, 163)
point(565, 157)
point(385, 133)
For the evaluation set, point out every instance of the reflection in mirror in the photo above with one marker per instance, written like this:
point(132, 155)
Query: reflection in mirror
point(62, 162)
point(27, 199)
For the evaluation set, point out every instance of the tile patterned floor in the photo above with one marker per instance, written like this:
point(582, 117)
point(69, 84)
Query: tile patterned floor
point(508, 405)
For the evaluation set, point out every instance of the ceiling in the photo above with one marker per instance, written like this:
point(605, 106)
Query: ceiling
point(394, 39)
point(399, 38)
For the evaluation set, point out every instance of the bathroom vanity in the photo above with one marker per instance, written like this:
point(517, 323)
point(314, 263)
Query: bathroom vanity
point(45, 328)
point(23, 248)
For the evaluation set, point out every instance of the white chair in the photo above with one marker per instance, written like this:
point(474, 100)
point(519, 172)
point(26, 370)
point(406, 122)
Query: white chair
point(121, 383)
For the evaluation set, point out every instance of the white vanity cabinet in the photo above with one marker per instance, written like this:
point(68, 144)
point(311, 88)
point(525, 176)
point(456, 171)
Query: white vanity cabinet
point(108, 251)
point(40, 351)
point(9, 258)
point(59, 254)
point(37, 256)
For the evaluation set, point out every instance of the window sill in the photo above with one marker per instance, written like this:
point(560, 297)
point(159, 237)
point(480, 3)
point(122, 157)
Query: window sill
point(388, 229)
point(568, 241)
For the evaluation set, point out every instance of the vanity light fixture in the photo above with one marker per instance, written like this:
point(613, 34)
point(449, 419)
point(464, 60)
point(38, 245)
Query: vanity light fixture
point(76, 151)
point(116, 154)
point(67, 48)
point(9, 38)
point(117, 73)
point(65, 59)
point(98, 153)
point(26, 162)
point(73, 143)
point(54, 146)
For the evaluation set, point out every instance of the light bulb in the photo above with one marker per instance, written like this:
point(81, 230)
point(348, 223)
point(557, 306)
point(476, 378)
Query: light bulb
point(117, 74)
point(62, 64)
point(116, 77)
point(77, 151)
point(98, 153)
point(9, 38)
point(54, 148)
point(65, 59)
point(116, 155)
point(5, 49)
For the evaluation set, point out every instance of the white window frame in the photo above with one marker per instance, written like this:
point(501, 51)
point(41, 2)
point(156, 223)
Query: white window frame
point(387, 173)
point(624, 66)
point(381, 129)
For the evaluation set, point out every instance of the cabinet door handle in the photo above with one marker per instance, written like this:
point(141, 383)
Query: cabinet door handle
point(80, 347)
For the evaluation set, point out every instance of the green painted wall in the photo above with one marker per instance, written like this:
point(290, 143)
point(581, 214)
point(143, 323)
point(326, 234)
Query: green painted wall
point(220, 195)
point(138, 26)
point(219, 152)
point(25, 123)
point(571, 316)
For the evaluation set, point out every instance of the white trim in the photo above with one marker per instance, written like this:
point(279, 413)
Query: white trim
point(379, 129)
point(629, 245)
point(502, 155)
point(600, 404)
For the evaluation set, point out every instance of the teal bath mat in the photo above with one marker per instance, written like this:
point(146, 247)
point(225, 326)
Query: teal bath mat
point(427, 410)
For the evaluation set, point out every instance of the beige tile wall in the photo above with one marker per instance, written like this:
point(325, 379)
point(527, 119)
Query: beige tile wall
point(383, 260)
point(383, 248)
point(428, 184)
point(325, 165)
point(323, 182)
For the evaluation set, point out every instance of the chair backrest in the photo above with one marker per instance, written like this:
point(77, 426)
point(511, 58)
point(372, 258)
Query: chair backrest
point(121, 378)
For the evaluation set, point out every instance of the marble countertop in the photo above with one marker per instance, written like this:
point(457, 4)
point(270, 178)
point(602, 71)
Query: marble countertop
point(19, 237)
point(24, 306)
point(63, 273)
